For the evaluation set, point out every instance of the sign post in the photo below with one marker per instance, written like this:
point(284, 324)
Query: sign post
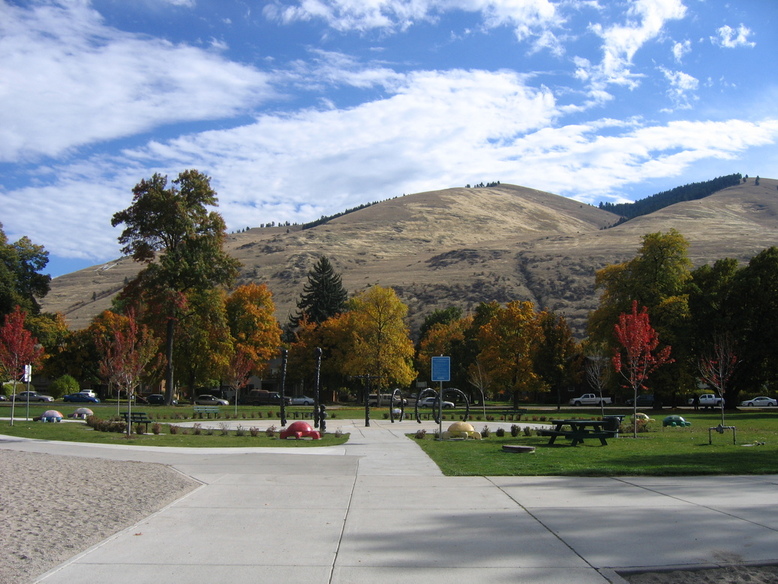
point(441, 371)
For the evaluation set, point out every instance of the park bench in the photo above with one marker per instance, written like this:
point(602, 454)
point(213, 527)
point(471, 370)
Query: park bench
point(134, 418)
point(206, 410)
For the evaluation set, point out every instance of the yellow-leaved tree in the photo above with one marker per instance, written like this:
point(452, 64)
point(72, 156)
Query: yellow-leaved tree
point(380, 343)
point(253, 325)
point(508, 342)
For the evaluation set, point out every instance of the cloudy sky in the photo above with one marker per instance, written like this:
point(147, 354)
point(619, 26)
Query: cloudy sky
point(304, 108)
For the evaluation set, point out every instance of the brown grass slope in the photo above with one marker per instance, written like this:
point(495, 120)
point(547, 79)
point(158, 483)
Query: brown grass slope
point(465, 246)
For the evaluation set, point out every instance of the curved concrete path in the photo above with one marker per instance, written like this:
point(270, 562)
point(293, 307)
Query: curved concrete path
point(378, 510)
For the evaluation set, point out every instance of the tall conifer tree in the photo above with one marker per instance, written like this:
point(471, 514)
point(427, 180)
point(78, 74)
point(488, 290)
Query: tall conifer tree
point(323, 296)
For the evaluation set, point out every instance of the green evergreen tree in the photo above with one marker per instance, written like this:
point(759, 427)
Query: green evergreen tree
point(323, 295)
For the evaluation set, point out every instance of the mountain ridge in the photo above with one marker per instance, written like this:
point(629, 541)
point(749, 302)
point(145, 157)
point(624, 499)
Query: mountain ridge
point(462, 246)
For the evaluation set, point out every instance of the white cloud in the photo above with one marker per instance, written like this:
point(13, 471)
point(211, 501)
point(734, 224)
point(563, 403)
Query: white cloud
point(434, 129)
point(530, 19)
point(69, 80)
point(731, 38)
point(682, 87)
point(680, 50)
point(645, 21)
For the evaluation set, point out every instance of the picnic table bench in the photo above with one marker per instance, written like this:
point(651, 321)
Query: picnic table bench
point(137, 418)
point(580, 430)
point(207, 410)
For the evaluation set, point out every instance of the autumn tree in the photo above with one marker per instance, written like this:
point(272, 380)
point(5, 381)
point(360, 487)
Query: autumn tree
point(380, 343)
point(597, 368)
point(17, 348)
point(638, 354)
point(126, 354)
point(253, 325)
point(171, 230)
point(323, 295)
point(508, 343)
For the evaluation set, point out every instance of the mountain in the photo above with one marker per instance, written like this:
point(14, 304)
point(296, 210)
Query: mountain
point(463, 246)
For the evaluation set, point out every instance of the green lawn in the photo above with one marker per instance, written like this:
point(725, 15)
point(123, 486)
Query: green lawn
point(661, 451)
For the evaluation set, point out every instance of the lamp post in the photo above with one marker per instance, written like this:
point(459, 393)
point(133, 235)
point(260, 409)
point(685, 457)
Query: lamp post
point(284, 357)
point(316, 390)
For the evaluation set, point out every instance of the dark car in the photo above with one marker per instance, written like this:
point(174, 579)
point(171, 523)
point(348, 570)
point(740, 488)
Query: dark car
point(645, 400)
point(158, 399)
point(81, 397)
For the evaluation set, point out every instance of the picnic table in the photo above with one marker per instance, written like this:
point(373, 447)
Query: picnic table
point(580, 430)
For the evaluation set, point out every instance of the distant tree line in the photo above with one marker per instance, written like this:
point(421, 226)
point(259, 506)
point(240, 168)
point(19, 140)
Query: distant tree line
point(690, 192)
point(325, 219)
point(482, 185)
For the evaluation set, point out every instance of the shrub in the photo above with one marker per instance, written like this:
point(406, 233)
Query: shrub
point(197, 429)
point(271, 431)
point(485, 432)
point(254, 431)
point(156, 428)
point(527, 431)
point(139, 428)
point(225, 429)
point(420, 434)
point(500, 432)
point(173, 429)
point(514, 430)
point(240, 431)
point(63, 385)
point(338, 433)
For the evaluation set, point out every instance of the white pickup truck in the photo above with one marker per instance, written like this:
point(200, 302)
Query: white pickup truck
point(590, 399)
point(707, 400)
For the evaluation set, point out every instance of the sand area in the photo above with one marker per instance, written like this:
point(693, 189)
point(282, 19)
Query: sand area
point(54, 507)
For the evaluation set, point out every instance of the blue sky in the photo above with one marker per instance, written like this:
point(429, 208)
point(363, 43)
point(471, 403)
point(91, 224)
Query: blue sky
point(303, 108)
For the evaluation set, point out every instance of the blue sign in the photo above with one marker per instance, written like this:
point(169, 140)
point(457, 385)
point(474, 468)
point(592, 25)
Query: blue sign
point(441, 369)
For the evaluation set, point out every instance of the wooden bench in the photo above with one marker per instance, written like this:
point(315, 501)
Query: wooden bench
point(207, 410)
point(135, 418)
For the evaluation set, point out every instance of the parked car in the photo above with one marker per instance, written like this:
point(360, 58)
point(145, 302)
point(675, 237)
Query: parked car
point(429, 402)
point(81, 396)
point(590, 399)
point(760, 402)
point(158, 399)
point(261, 397)
point(707, 400)
point(33, 396)
point(210, 400)
point(303, 400)
point(645, 400)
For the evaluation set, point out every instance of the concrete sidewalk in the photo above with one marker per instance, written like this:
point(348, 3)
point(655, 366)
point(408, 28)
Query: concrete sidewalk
point(378, 510)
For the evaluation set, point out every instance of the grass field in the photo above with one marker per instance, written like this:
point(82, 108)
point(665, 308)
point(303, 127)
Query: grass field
point(661, 451)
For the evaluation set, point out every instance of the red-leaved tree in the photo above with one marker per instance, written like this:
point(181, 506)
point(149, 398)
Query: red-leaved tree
point(125, 356)
point(17, 348)
point(639, 355)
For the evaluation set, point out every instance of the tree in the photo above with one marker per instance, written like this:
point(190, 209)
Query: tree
point(254, 328)
point(20, 281)
point(171, 231)
point(508, 343)
point(657, 278)
point(323, 295)
point(597, 369)
point(380, 345)
point(125, 356)
point(717, 367)
point(557, 353)
point(641, 356)
point(18, 348)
